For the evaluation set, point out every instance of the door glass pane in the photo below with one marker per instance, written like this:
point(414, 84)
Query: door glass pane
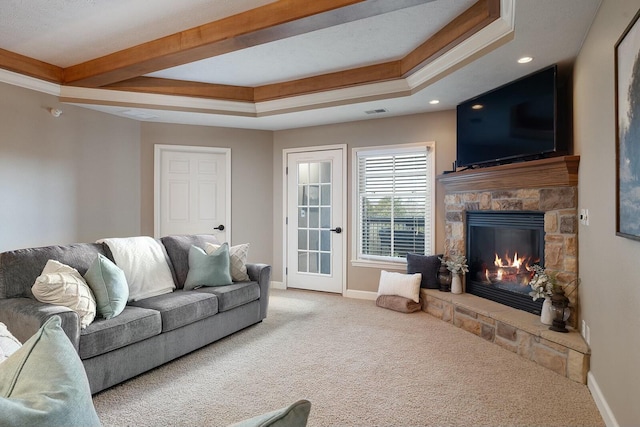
point(314, 217)
point(313, 262)
point(325, 263)
point(302, 240)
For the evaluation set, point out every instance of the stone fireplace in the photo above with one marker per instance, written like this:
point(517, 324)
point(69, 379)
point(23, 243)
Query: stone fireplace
point(547, 187)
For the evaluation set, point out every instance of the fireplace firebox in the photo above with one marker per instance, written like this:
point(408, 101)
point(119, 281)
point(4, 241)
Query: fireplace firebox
point(502, 246)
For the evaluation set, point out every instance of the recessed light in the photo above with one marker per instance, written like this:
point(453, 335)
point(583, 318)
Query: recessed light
point(434, 101)
point(525, 59)
point(376, 111)
point(477, 107)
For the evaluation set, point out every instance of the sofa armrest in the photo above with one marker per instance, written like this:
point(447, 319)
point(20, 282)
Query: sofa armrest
point(261, 273)
point(24, 316)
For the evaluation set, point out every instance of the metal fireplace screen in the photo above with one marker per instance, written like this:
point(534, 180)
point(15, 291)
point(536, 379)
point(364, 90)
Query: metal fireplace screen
point(501, 248)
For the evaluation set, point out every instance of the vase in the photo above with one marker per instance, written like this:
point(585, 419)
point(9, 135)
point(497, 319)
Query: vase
point(546, 315)
point(456, 284)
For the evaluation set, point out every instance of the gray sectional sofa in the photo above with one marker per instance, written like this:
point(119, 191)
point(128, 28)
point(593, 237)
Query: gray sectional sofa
point(148, 332)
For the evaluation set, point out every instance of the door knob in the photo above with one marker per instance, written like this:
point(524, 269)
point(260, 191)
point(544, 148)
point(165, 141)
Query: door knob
point(338, 230)
point(220, 227)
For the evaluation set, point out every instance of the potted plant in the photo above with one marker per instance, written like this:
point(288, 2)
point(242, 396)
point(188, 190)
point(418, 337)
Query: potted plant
point(457, 265)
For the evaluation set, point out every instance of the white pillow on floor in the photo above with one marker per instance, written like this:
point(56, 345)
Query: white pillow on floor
point(401, 284)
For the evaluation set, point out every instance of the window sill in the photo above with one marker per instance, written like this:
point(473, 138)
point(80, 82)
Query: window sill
point(386, 265)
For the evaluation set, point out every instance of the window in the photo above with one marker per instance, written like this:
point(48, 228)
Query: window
point(394, 190)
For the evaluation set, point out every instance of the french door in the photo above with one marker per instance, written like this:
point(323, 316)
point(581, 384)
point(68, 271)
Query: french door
point(315, 224)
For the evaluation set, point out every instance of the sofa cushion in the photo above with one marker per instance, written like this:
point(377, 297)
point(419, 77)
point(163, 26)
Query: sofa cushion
point(208, 269)
point(44, 383)
point(181, 307)
point(109, 286)
point(235, 295)
point(237, 260)
point(62, 285)
point(20, 268)
point(178, 251)
point(132, 325)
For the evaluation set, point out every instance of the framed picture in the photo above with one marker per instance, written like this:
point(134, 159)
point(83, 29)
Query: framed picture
point(627, 64)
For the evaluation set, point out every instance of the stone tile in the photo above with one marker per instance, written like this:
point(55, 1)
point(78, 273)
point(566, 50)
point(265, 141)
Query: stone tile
point(469, 325)
point(528, 193)
point(472, 206)
point(551, 222)
point(571, 264)
point(470, 197)
point(457, 230)
point(531, 204)
point(436, 294)
point(572, 340)
point(557, 198)
point(488, 332)
point(553, 256)
point(571, 245)
point(525, 344)
point(479, 305)
point(550, 359)
point(507, 332)
point(520, 319)
point(568, 224)
point(506, 344)
point(504, 194)
point(507, 205)
point(577, 366)
point(557, 347)
point(556, 239)
point(466, 312)
point(486, 319)
point(453, 216)
point(485, 201)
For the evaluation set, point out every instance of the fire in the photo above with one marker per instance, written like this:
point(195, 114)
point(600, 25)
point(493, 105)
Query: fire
point(509, 269)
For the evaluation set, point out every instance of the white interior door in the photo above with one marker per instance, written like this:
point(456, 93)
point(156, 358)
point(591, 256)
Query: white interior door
point(316, 240)
point(192, 191)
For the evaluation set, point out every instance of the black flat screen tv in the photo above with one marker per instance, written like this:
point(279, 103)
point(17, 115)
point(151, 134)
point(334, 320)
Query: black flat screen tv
point(522, 120)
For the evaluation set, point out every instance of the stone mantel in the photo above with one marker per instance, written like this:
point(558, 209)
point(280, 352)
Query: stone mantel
point(551, 172)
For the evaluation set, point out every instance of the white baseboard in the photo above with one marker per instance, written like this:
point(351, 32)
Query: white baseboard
point(277, 285)
point(350, 293)
point(601, 402)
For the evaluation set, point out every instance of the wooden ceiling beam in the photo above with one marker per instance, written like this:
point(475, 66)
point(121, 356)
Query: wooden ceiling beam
point(465, 25)
point(184, 88)
point(30, 67)
point(274, 21)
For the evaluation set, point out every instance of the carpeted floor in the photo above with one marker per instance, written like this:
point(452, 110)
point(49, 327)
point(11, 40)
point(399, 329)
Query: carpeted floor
point(359, 365)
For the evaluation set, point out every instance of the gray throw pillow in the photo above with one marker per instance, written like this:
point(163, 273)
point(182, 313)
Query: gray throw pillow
point(208, 269)
point(109, 286)
point(44, 383)
point(428, 265)
point(294, 415)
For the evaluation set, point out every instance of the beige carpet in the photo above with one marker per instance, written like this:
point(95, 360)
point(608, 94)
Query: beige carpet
point(359, 365)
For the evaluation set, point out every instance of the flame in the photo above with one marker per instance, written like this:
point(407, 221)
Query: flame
point(515, 262)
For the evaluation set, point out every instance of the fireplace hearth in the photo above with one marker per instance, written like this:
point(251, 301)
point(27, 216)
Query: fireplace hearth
point(502, 247)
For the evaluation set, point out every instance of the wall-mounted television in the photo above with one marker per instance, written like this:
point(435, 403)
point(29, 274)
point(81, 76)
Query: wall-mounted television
point(526, 119)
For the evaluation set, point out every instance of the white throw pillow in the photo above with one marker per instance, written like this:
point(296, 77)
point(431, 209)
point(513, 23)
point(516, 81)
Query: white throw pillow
point(404, 285)
point(8, 343)
point(60, 284)
point(237, 260)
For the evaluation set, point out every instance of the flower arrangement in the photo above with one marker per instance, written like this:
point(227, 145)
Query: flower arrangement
point(542, 283)
point(456, 264)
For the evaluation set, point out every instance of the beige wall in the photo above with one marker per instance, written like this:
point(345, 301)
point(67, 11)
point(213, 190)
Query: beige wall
point(438, 127)
point(69, 179)
point(251, 177)
point(609, 267)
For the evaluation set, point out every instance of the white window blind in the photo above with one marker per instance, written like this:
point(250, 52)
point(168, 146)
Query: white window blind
point(394, 202)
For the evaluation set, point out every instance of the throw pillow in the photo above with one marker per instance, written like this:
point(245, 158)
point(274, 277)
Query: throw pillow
point(109, 286)
point(428, 266)
point(44, 383)
point(396, 303)
point(208, 269)
point(404, 285)
point(237, 260)
point(60, 284)
point(294, 415)
point(8, 343)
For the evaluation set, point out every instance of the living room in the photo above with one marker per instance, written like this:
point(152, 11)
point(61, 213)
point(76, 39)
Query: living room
point(87, 175)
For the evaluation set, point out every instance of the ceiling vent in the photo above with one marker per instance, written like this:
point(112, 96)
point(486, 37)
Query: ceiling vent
point(377, 111)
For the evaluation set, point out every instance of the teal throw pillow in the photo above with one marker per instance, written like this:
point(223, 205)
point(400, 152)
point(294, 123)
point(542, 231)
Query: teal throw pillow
point(44, 383)
point(208, 270)
point(109, 286)
point(294, 415)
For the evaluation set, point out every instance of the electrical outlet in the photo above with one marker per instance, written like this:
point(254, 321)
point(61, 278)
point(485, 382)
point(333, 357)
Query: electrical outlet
point(584, 216)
